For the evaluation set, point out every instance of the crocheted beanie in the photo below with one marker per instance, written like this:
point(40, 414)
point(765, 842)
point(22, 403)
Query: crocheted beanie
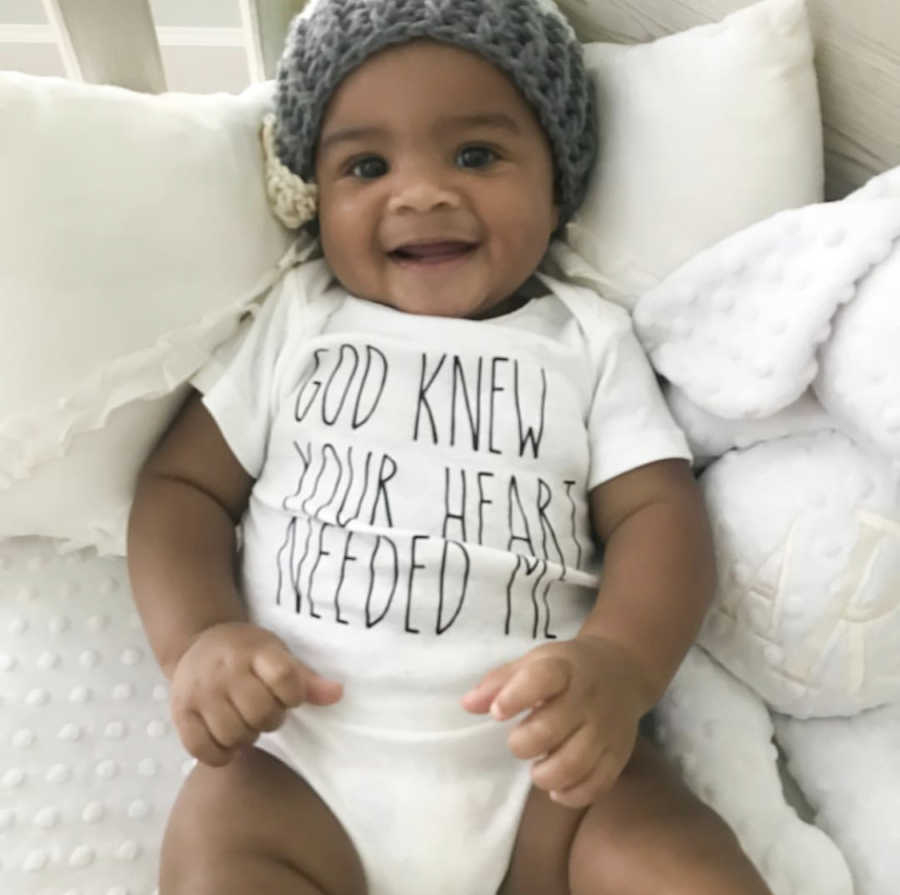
point(527, 39)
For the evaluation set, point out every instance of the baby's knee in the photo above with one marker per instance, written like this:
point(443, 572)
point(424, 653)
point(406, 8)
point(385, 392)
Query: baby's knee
point(192, 846)
point(234, 830)
point(696, 854)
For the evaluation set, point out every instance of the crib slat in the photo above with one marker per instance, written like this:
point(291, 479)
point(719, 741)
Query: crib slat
point(108, 42)
point(265, 24)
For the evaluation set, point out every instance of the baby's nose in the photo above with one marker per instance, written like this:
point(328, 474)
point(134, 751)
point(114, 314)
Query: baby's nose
point(421, 192)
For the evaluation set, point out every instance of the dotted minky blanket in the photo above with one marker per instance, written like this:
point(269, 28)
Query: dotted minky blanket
point(89, 760)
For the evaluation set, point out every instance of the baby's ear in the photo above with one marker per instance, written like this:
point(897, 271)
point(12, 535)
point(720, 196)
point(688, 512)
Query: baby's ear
point(739, 326)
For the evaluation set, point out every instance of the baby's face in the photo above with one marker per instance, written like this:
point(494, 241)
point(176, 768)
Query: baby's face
point(435, 182)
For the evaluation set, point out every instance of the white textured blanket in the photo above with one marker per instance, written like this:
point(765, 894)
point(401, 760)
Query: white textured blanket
point(89, 761)
point(809, 297)
point(782, 347)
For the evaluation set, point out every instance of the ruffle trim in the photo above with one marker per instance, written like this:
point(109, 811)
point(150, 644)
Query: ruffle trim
point(44, 433)
point(106, 538)
point(293, 200)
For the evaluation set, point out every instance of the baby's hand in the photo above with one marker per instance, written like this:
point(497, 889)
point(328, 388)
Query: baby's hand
point(586, 698)
point(233, 682)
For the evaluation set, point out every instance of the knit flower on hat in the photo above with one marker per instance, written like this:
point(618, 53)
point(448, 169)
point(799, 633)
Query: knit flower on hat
point(293, 200)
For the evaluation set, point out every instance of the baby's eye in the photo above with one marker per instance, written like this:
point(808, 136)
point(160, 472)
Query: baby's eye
point(369, 168)
point(475, 156)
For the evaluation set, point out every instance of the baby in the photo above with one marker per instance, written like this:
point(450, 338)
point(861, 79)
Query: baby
point(410, 672)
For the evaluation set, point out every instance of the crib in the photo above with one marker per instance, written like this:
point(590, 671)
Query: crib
point(89, 761)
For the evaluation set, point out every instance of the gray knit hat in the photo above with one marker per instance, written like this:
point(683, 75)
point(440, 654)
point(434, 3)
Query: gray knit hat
point(527, 39)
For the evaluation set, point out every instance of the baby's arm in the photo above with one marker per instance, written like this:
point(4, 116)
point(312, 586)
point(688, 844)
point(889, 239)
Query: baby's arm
point(230, 679)
point(659, 570)
point(587, 695)
point(181, 534)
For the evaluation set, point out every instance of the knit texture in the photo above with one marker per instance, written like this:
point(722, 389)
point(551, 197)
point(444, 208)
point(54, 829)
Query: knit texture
point(529, 40)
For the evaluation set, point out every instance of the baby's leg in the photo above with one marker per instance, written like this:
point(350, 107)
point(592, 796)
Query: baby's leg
point(649, 834)
point(255, 826)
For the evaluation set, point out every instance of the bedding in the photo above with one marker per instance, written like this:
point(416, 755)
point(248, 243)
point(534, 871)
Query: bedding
point(799, 309)
point(701, 133)
point(129, 248)
point(781, 341)
point(155, 224)
point(88, 761)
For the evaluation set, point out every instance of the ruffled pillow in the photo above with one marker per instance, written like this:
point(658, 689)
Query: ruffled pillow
point(135, 232)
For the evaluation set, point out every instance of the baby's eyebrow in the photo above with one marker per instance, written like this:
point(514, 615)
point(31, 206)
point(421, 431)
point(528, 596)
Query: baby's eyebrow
point(362, 133)
point(499, 120)
point(350, 135)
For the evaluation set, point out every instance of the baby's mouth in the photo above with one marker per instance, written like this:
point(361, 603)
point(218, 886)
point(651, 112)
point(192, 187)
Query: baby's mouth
point(437, 252)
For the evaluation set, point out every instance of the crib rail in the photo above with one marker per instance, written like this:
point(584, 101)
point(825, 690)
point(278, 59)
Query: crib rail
point(115, 41)
point(108, 42)
point(265, 23)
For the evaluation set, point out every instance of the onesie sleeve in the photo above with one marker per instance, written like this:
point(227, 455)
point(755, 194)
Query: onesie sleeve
point(239, 382)
point(210, 373)
point(629, 422)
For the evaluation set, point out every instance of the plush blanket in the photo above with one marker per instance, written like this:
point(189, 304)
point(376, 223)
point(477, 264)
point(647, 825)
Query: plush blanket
point(781, 345)
point(745, 327)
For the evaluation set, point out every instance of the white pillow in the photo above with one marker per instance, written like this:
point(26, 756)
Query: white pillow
point(702, 133)
point(134, 233)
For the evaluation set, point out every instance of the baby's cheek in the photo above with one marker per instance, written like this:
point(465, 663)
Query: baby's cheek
point(525, 247)
point(343, 249)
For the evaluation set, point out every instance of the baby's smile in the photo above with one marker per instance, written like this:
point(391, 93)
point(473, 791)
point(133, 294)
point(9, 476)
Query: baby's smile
point(432, 253)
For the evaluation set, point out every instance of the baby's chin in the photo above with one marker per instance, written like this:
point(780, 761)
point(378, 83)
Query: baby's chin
point(435, 296)
point(429, 303)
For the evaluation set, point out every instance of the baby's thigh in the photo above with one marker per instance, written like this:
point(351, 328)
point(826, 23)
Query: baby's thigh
point(649, 833)
point(255, 826)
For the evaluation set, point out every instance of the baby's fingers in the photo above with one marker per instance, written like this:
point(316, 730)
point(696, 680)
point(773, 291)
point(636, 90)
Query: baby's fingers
point(197, 740)
point(573, 763)
point(534, 682)
point(256, 703)
point(290, 680)
point(586, 791)
point(225, 725)
point(479, 699)
point(544, 730)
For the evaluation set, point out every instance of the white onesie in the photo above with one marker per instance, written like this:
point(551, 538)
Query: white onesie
point(420, 515)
